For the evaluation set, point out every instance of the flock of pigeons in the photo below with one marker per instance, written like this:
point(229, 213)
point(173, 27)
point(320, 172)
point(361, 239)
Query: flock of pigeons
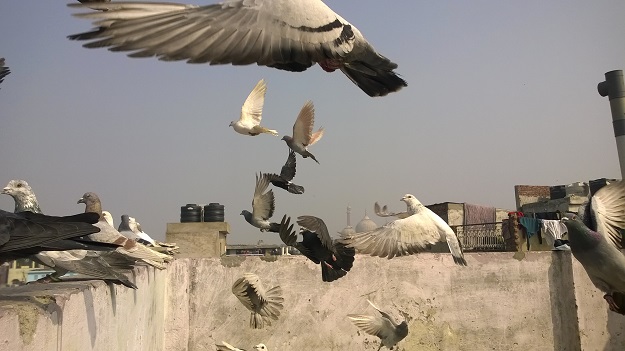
point(293, 36)
point(86, 244)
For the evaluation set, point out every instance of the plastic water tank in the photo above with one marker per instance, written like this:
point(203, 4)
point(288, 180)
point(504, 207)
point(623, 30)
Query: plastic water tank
point(190, 213)
point(214, 212)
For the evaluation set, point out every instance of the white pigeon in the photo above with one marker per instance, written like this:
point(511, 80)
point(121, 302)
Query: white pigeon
point(283, 34)
point(410, 235)
point(227, 347)
point(303, 135)
point(252, 113)
point(108, 217)
point(263, 305)
point(384, 327)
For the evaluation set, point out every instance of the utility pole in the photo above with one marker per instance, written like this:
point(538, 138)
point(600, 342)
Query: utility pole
point(614, 88)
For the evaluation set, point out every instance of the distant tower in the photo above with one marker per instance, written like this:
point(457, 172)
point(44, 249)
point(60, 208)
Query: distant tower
point(349, 212)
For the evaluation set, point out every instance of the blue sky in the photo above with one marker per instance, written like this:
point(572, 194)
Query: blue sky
point(499, 93)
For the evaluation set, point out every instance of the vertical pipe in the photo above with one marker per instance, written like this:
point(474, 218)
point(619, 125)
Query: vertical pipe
point(614, 88)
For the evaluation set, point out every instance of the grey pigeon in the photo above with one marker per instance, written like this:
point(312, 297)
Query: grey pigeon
point(263, 205)
point(227, 347)
point(334, 257)
point(383, 212)
point(303, 135)
point(27, 233)
point(407, 236)
point(252, 113)
point(77, 260)
point(4, 70)
point(596, 238)
point(263, 305)
point(287, 173)
point(283, 34)
point(125, 230)
point(384, 327)
point(108, 234)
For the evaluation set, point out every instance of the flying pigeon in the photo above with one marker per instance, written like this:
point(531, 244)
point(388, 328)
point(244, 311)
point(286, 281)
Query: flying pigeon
point(334, 257)
point(409, 235)
point(27, 233)
point(226, 347)
point(4, 71)
point(303, 135)
point(283, 34)
point(384, 327)
point(383, 212)
point(263, 206)
point(287, 173)
point(264, 305)
point(109, 234)
point(252, 113)
point(74, 258)
point(596, 238)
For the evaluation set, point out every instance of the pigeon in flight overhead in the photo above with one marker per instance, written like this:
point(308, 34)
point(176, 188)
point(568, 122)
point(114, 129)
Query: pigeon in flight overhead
point(287, 173)
point(384, 327)
point(283, 34)
point(263, 205)
point(383, 212)
point(334, 257)
point(84, 259)
point(108, 234)
point(410, 235)
point(26, 233)
point(596, 238)
point(264, 305)
point(303, 135)
point(226, 347)
point(252, 113)
point(4, 70)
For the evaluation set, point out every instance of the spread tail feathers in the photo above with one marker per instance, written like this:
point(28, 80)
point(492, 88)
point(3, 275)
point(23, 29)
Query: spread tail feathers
point(295, 189)
point(267, 131)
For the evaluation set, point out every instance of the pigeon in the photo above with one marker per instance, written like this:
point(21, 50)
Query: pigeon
point(264, 305)
point(287, 173)
point(383, 212)
point(26, 233)
point(84, 260)
point(263, 206)
point(409, 235)
point(303, 135)
point(126, 247)
point(252, 113)
point(283, 34)
point(384, 327)
point(226, 347)
point(596, 238)
point(125, 230)
point(4, 70)
point(158, 246)
point(334, 257)
point(108, 218)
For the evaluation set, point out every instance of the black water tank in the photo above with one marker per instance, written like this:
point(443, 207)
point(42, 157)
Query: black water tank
point(214, 212)
point(190, 213)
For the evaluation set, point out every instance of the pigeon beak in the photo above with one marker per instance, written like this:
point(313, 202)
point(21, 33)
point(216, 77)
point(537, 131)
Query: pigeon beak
point(5, 190)
point(81, 201)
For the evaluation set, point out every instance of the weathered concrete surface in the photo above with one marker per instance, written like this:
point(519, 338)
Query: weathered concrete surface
point(498, 302)
point(198, 239)
point(84, 315)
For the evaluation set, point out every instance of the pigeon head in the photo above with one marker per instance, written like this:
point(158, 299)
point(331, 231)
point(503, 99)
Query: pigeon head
point(23, 195)
point(410, 199)
point(231, 124)
point(92, 203)
point(287, 138)
point(126, 219)
point(261, 347)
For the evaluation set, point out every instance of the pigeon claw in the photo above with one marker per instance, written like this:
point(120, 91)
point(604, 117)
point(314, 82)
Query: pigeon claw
point(330, 65)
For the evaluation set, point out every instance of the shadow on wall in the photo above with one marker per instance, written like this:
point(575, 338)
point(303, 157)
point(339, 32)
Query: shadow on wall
point(562, 297)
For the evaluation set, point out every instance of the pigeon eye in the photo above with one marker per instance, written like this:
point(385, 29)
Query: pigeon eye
point(19, 185)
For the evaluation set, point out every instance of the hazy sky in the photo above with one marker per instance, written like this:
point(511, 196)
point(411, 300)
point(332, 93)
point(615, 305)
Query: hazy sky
point(499, 93)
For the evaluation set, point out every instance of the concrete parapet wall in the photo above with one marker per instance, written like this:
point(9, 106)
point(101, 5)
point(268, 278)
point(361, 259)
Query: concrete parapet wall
point(542, 301)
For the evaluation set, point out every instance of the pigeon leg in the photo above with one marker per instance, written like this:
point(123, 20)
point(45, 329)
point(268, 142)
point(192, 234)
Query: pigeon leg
point(330, 65)
point(611, 303)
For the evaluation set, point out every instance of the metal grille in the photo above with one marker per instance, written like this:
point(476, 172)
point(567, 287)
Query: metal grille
point(480, 237)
